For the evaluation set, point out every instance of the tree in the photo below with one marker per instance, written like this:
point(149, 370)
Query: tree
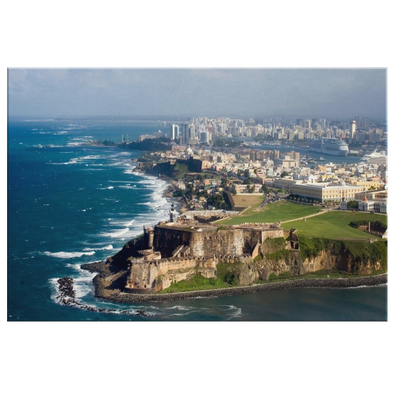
point(283, 174)
point(217, 201)
point(352, 204)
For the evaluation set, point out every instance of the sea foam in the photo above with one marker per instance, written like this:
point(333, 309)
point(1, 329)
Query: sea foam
point(69, 255)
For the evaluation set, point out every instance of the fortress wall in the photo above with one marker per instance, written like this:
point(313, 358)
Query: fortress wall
point(208, 243)
point(167, 239)
point(252, 236)
point(274, 233)
point(144, 274)
point(175, 264)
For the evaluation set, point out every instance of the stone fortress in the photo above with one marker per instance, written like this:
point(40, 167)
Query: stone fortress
point(182, 248)
point(176, 250)
point(236, 256)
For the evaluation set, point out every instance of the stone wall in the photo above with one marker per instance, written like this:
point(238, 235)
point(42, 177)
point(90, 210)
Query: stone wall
point(217, 242)
point(167, 239)
point(143, 275)
point(272, 233)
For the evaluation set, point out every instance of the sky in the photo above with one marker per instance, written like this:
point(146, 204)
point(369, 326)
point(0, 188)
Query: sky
point(187, 92)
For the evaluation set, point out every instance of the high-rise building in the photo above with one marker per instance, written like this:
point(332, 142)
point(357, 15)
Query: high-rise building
point(185, 130)
point(353, 129)
point(297, 158)
point(192, 132)
point(323, 123)
point(204, 137)
point(174, 128)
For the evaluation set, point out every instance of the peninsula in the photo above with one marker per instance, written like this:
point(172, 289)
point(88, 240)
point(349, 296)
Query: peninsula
point(251, 220)
point(185, 257)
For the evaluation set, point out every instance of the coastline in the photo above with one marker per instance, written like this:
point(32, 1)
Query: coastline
point(179, 202)
point(119, 297)
point(100, 281)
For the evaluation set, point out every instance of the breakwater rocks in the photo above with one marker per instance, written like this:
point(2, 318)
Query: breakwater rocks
point(67, 294)
point(67, 297)
point(66, 291)
point(270, 286)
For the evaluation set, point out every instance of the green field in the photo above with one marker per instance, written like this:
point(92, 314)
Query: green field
point(334, 225)
point(331, 225)
point(273, 212)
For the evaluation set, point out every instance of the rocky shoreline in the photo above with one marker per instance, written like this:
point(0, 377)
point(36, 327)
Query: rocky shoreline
point(121, 297)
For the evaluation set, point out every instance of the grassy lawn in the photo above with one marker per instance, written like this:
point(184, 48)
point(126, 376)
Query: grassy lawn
point(334, 225)
point(246, 201)
point(273, 212)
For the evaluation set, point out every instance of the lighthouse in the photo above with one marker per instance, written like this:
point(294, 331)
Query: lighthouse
point(173, 214)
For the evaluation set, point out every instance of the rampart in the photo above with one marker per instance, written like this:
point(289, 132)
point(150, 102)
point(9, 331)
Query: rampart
point(183, 249)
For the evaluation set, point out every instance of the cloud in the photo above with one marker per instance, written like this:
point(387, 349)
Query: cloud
point(251, 92)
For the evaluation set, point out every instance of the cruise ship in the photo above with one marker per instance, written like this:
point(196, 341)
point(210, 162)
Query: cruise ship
point(375, 158)
point(329, 146)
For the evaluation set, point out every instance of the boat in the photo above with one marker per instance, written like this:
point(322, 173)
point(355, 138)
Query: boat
point(329, 146)
point(322, 158)
point(375, 157)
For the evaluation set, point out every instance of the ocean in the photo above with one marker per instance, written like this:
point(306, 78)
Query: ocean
point(69, 204)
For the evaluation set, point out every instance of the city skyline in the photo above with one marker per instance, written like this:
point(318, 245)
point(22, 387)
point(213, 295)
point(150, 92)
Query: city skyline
point(166, 92)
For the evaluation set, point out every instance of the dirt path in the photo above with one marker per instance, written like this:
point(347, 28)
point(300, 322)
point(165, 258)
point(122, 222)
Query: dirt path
point(306, 217)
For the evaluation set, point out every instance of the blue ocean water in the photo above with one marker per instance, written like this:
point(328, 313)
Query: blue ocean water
point(70, 204)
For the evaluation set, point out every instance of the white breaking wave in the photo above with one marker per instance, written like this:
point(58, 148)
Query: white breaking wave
point(129, 172)
point(362, 286)
point(119, 181)
point(72, 161)
point(83, 284)
point(75, 143)
point(181, 307)
point(69, 255)
point(105, 188)
point(109, 247)
point(235, 312)
point(116, 234)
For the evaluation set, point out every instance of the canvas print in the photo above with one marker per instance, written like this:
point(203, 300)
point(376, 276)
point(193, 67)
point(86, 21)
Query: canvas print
point(170, 194)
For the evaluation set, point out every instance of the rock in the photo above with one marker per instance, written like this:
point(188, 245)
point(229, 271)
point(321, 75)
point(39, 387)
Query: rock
point(141, 313)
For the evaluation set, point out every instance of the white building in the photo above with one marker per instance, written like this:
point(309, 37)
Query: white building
point(372, 201)
point(353, 129)
point(174, 131)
